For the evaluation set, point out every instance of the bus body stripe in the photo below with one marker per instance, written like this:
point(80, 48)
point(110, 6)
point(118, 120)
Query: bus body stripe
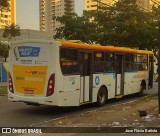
point(108, 48)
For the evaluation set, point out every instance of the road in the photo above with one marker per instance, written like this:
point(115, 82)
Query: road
point(15, 114)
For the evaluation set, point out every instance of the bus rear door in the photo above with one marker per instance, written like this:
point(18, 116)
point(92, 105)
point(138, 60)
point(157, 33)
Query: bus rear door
point(86, 77)
point(119, 75)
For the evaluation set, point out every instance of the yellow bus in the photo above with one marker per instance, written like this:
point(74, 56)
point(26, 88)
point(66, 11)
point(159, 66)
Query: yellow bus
point(63, 73)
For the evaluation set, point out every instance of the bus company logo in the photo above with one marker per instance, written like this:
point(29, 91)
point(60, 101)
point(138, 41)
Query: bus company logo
point(28, 51)
point(97, 80)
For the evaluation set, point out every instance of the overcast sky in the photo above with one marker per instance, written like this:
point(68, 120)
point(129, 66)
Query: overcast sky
point(27, 12)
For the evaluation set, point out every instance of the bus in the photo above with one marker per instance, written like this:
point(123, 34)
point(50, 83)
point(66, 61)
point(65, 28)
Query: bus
point(64, 73)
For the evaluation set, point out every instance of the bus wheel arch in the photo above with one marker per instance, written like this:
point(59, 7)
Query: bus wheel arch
point(102, 96)
point(142, 87)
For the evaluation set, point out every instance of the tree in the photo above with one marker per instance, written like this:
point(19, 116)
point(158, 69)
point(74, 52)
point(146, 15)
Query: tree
point(11, 31)
point(126, 24)
point(74, 27)
point(122, 24)
point(4, 50)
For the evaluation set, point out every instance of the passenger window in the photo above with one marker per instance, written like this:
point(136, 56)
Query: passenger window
point(98, 63)
point(129, 62)
point(110, 63)
point(69, 61)
point(142, 62)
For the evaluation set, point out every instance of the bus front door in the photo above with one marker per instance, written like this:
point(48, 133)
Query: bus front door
point(86, 77)
point(119, 87)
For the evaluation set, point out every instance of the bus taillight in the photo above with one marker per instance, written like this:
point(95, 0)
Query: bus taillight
point(50, 87)
point(11, 89)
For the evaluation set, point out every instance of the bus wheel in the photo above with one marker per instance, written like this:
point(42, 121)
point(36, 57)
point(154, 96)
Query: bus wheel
point(102, 96)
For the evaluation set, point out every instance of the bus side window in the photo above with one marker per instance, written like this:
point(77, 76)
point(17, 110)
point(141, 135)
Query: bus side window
point(128, 67)
point(109, 60)
point(69, 61)
point(98, 62)
point(142, 62)
point(129, 62)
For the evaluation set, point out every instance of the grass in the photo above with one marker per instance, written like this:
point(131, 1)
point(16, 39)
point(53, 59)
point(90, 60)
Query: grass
point(3, 90)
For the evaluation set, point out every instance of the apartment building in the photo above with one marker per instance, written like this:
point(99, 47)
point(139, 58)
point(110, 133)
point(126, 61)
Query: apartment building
point(50, 9)
point(8, 17)
point(93, 4)
point(154, 2)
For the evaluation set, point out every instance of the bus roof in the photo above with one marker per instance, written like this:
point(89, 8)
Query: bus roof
point(99, 47)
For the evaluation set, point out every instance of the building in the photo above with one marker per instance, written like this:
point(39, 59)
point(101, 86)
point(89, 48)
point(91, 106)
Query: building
point(50, 9)
point(7, 17)
point(93, 4)
point(154, 3)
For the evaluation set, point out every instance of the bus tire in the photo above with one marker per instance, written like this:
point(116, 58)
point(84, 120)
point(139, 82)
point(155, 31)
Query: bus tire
point(102, 96)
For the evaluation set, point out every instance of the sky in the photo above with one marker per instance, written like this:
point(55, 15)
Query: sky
point(27, 13)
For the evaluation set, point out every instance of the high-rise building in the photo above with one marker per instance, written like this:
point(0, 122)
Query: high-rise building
point(8, 16)
point(154, 2)
point(93, 4)
point(50, 9)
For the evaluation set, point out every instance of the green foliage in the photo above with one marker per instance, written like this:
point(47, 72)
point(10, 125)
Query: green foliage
point(4, 50)
point(75, 27)
point(11, 31)
point(123, 24)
